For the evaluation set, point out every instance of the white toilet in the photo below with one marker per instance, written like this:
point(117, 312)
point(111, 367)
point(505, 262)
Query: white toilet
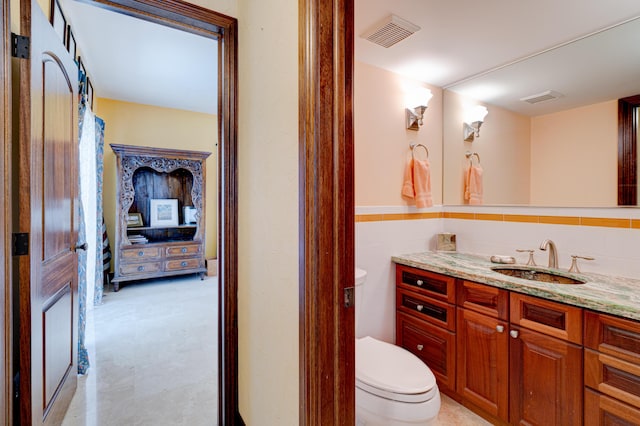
point(393, 386)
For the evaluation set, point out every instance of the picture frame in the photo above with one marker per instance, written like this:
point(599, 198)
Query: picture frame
point(58, 21)
point(164, 212)
point(189, 215)
point(134, 220)
point(71, 43)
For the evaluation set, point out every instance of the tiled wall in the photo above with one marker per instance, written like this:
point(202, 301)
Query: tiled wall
point(611, 235)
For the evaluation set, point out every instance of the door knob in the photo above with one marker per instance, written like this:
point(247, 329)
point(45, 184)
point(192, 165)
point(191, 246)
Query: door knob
point(514, 334)
point(499, 328)
point(84, 246)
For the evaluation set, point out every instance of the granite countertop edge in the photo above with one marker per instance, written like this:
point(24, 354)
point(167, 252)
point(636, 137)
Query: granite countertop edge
point(617, 296)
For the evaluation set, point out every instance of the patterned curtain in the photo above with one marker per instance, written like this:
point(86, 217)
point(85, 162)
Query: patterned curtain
point(83, 355)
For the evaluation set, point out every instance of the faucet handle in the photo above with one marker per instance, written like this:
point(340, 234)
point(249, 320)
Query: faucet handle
point(531, 261)
point(574, 262)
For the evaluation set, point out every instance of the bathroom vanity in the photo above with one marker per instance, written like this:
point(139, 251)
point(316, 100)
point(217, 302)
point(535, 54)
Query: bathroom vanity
point(519, 351)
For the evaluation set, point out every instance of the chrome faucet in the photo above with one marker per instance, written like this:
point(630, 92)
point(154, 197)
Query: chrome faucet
point(553, 252)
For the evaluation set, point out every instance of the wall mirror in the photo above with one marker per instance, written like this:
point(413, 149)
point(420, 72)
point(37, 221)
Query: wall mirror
point(550, 137)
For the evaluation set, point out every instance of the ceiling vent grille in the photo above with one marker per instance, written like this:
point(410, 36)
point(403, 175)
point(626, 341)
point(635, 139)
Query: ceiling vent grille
point(390, 31)
point(542, 97)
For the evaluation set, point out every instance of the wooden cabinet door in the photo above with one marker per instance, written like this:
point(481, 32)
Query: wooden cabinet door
point(545, 380)
point(483, 362)
point(48, 182)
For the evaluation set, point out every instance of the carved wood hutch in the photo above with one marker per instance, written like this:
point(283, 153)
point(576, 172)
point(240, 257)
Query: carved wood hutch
point(175, 246)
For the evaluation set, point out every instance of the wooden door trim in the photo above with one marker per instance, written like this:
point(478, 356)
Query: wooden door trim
point(327, 359)
point(627, 151)
point(196, 19)
point(5, 222)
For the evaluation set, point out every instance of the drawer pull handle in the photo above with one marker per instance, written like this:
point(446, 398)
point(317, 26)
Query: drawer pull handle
point(499, 328)
point(514, 334)
point(420, 308)
point(183, 264)
point(184, 249)
point(140, 268)
point(420, 347)
point(420, 282)
point(140, 253)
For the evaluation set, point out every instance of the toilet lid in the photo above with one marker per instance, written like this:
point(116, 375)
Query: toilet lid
point(391, 368)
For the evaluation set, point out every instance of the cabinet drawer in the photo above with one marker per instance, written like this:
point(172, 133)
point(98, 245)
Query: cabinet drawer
point(140, 254)
point(428, 283)
point(184, 250)
point(614, 336)
point(427, 309)
point(484, 299)
point(435, 346)
point(602, 410)
point(139, 268)
point(179, 264)
point(551, 318)
point(612, 376)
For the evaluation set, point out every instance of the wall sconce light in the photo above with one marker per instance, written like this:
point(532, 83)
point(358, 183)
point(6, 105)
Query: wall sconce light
point(473, 121)
point(414, 114)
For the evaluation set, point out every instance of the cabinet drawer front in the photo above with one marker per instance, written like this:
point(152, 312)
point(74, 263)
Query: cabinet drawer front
point(435, 346)
point(428, 283)
point(179, 264)
point(613, 377)
point(433, 311)
point(554, 319)
point(485, 299)
point(602, 410)
point(615, 336)
point(139, 268)
point(140, 253)
point(183, 250)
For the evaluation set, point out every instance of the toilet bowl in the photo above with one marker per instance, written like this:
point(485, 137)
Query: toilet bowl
point(393, 386)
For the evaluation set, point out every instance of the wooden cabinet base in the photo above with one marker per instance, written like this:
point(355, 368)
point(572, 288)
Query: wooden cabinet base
point(601, 410)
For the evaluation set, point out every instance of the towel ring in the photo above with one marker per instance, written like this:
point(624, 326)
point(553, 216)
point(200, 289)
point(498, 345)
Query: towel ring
point(414, 146)
point(470, 156)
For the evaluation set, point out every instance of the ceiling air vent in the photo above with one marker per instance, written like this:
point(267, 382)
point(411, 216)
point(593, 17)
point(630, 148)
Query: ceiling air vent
point(390, 31)
point(542, 97)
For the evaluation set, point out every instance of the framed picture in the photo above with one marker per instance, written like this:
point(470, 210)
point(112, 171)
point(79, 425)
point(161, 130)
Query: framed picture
point(58, 20)
point(71, 43)
point(134, 220)
point(189, 213)
point(164, 212)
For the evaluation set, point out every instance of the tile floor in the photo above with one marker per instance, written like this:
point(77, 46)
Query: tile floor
point(152, 346)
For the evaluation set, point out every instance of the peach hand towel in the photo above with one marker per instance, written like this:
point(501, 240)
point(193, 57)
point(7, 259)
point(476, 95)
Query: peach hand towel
point(422, 183)
point(417, 182)
point(407, 182)
point(473, 185)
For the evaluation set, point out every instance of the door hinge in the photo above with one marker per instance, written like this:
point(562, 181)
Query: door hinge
point(20, 46)
point(348, 297)
point(20, 246)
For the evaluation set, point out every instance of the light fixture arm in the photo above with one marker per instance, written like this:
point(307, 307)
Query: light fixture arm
point(471, 131)
point(414, 118)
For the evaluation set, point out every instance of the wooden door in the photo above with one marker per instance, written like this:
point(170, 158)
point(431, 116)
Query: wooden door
point(546, 380)
point(48, 274)
point(483, 362)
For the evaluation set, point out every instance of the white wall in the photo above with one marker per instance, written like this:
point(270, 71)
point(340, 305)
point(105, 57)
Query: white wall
point(268, 212)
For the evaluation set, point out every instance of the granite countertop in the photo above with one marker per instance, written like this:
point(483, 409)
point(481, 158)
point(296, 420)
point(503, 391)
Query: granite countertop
point(614, 295)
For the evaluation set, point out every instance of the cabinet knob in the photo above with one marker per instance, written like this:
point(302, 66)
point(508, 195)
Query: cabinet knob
point(420, 282)
point(183, 264)
point(140, 268)
point(184, 249)
point(140, 253)
point(420, 347)
point(514, 334)
point(420, 308)
point(499, 328)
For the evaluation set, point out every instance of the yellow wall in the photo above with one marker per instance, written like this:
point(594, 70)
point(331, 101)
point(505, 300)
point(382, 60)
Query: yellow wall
point(382, 139)
point(574, 157)
point(268, 212)
point(134, 124)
